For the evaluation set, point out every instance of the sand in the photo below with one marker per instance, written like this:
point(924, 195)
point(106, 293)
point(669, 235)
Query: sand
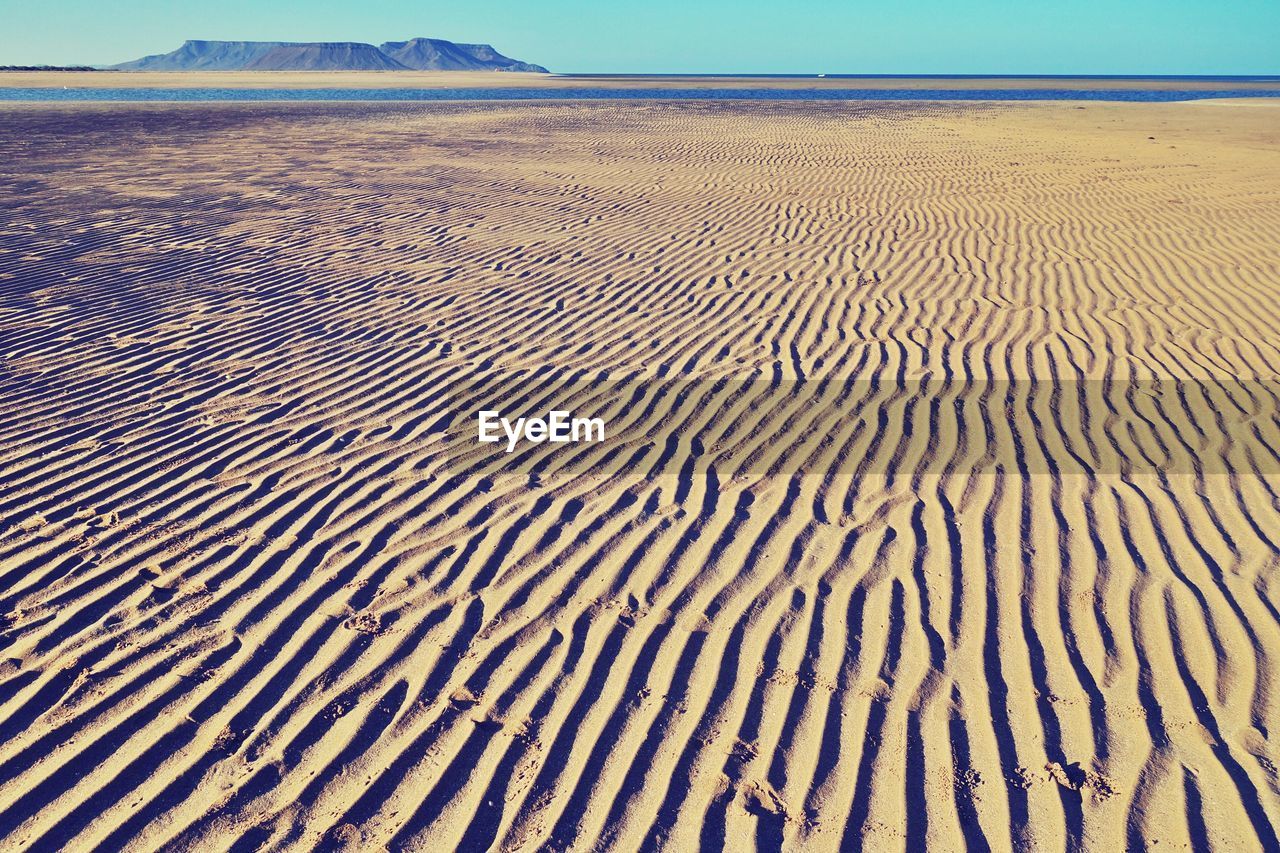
point(492, 79)
point(249, 600)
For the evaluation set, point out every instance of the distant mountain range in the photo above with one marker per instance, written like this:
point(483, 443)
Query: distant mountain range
point(420, 54)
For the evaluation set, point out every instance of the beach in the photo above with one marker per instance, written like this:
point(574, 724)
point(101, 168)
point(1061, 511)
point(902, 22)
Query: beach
point(248, 593)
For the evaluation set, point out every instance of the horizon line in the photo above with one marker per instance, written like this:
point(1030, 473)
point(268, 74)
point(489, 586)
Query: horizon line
point(1005, 75)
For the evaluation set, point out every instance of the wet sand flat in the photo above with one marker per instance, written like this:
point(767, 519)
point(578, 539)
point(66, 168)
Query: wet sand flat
point(491, 79)
point(246, 597)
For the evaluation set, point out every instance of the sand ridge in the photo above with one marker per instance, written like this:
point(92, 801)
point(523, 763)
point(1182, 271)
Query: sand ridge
point(245, 597)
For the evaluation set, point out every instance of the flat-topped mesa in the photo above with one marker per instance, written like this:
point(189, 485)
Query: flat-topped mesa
point(421, 54)
point(325, 56)
point(199, 55)
point(425, 54)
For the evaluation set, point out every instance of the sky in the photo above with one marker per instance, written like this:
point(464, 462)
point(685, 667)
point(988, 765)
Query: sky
point(696, 36)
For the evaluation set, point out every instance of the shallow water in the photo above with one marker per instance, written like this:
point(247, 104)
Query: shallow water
point(589, 94)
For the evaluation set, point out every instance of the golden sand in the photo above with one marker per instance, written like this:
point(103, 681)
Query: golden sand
point(245, 596)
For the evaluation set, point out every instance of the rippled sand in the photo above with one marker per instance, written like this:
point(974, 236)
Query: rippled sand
point(250, 598)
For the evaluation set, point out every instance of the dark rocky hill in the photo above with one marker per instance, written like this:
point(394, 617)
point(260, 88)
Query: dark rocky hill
point(199, 55)
point(324, 56)
point(440, 55)
point(422, 54)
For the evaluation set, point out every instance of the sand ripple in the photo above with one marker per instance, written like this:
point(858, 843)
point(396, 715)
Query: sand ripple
point(246, 593)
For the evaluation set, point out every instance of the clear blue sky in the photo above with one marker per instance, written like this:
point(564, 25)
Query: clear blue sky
point(710, 36)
